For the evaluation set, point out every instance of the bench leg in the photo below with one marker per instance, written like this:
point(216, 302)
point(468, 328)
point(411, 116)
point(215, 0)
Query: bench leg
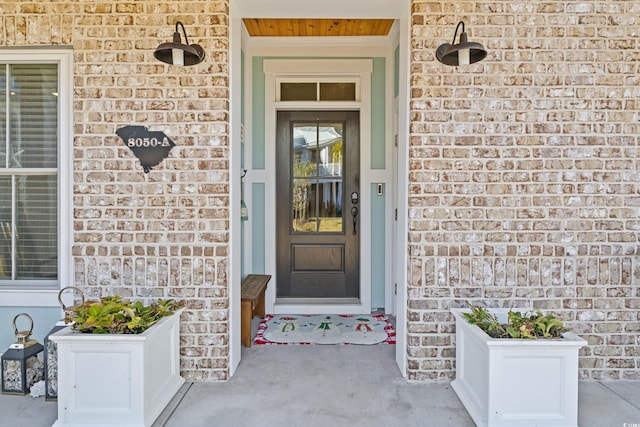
point(260, 306)
point(245, 323)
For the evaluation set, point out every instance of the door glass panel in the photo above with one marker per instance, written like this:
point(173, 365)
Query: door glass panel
point(304, 218)
point(298, 92)
point(317, 178)
point(305, 162)
point(330, 209)
point(342, 91)
point(337, 91)
point(330, 148)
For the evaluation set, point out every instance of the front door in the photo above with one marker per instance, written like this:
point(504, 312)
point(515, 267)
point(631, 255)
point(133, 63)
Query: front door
point(318, 206)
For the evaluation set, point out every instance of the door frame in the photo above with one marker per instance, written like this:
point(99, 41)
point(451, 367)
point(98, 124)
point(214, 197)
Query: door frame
point(399, 10)
point(279, 69)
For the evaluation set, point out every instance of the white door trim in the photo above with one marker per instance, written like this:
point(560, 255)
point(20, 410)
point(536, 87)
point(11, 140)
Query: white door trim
point(317, 69)
point(235, 156)
point(402, 188)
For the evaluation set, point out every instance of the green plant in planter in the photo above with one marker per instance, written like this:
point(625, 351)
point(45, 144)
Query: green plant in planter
point(531, 325)
point(112, 315)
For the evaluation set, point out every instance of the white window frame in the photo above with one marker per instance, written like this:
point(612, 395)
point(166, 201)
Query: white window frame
point(48, 297)
point(324, 79)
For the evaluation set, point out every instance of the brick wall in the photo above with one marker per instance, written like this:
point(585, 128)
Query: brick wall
point(164, 234)
point(524, 175)
point(523, 168)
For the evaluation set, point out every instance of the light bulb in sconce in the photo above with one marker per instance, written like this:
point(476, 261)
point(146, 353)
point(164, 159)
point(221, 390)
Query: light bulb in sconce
point(178, 57)
point(463, 57)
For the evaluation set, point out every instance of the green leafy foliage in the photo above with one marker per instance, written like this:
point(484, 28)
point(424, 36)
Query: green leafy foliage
point(530, 326)
point(113, 315)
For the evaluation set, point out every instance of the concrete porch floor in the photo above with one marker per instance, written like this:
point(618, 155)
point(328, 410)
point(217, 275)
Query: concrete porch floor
point(331, 386)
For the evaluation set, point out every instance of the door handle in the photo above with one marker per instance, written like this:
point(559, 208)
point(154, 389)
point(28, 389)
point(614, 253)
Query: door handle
point(354, 213)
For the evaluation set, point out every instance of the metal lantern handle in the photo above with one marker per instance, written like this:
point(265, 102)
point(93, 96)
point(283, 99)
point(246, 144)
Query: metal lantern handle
point(22, 336)
point(64, 307)
point(68, 311)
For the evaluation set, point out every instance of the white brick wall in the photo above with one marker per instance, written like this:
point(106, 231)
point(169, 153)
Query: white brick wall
point(164, 234)
point(524, 175)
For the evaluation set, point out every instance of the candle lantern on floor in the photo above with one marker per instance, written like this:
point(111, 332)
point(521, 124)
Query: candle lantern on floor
point(51, 363)
point(51, 348)
point(22, 365)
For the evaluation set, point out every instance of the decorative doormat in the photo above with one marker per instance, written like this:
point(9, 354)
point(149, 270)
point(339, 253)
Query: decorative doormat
point(325, 329)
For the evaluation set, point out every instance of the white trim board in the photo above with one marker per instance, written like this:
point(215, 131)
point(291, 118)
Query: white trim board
point(320, 9)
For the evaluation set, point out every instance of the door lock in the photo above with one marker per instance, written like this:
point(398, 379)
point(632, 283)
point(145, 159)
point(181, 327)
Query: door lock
point(354, 198)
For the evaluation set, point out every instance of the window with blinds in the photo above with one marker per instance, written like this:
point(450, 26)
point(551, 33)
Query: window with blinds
point(29, 117)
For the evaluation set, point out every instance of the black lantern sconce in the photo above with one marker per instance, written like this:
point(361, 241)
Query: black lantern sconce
point(464, 53)
point(176, 53)
point(21, 364)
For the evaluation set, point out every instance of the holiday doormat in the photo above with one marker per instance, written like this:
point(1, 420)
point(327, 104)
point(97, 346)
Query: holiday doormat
point(325, 329)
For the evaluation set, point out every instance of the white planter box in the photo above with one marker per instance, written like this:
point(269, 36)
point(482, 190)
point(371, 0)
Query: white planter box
point(516, 382)
point(117, 380)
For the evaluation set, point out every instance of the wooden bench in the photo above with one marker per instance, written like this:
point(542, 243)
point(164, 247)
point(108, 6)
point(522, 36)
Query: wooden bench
point(252, 292)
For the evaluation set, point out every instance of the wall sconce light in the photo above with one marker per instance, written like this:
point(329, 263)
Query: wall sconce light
point(176, 53)
point(464, 53)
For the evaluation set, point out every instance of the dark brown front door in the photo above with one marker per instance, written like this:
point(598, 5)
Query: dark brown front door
point(318, 206)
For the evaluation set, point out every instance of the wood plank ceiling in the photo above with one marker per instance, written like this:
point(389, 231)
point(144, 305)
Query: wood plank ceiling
point(268, 27)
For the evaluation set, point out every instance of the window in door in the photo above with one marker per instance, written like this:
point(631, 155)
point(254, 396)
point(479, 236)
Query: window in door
point(317, 178)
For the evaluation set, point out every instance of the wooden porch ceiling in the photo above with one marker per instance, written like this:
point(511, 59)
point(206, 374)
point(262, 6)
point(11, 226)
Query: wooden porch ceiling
point(270, 27)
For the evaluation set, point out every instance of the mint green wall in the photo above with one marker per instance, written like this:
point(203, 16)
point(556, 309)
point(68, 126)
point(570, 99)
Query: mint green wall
point(396, 72)
point(378, 156)
point(377, 246)
point(257, 108)
point(44, 319)
point(257, 207)
point(378, 111)
point(242, 85)
point(257, 212)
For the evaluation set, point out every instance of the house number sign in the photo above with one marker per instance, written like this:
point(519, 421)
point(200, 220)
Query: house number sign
point(149, 147)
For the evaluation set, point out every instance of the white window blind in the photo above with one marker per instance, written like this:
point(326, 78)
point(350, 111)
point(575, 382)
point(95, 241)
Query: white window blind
point(29, 117)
